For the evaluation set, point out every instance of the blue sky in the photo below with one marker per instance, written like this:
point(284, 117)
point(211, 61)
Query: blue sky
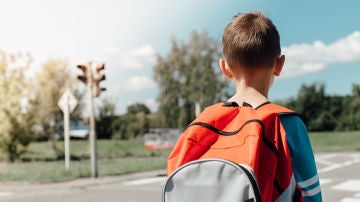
point(321, 39)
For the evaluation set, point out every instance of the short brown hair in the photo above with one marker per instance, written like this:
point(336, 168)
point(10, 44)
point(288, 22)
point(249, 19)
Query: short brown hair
point(251, 40)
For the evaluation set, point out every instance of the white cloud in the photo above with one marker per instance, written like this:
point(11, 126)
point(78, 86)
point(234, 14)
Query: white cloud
point(137, 58)
point(106, 52)
point(110, 51)
point(152, 104)
point(309, 58)
point(138, 83)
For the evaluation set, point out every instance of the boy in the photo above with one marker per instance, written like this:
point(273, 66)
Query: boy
point(252, 58)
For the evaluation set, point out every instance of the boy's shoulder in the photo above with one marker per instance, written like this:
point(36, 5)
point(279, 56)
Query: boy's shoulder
point(275, 108)
point(222, 113)
point(231, 107)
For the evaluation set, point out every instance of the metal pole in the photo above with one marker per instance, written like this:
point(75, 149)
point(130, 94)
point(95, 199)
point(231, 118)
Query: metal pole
point(66, 134)
point(92, 135)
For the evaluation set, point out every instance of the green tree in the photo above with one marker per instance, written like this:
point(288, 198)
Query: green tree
point(188, 74)
point(19, 136)
point(319, 111)
point(314, 106)
point(138, 108)
point(105, 126)
point(134, 123)
point(335, 108)
point(47, 88)
point(15, 114)
point(350, 116)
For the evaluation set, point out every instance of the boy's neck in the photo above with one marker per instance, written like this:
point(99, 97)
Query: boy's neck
point(252, 91)
point(249, 95)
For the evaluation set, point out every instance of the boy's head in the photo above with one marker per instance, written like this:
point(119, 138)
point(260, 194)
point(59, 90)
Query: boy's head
point(251, 40)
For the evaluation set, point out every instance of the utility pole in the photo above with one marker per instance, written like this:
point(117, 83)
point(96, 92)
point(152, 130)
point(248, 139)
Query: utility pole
point(91, 77)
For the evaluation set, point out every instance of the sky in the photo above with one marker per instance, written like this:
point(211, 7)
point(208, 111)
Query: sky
point(320, 39)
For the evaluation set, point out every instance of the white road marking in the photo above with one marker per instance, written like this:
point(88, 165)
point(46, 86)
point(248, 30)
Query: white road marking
point(338, 165)
point(349, 185)
point(144, 181)
point(6, 193)
point(324, 181)
point(326, 156)
point(324, 162)
point(350, 200)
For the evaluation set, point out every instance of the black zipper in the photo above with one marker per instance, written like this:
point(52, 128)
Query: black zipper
point(253, 183)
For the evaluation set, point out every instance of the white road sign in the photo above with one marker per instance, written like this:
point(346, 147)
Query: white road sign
point(67, 100)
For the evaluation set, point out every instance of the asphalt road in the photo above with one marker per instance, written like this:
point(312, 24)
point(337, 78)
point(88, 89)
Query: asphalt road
point(339, 176)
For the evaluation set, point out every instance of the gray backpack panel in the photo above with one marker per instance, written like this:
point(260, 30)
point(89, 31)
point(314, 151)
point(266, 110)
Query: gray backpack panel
point(211, 180)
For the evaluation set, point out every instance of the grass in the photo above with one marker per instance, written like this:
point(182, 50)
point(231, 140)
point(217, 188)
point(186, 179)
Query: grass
point(79, 149)
point(335, 141)
point(52, 171)
point(41, 164)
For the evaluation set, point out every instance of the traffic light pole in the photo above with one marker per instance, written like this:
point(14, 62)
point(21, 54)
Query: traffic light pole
point(92, 77)
point(92, 135)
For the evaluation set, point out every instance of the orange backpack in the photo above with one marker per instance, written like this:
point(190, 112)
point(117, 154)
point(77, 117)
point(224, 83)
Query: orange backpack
point(242, 135)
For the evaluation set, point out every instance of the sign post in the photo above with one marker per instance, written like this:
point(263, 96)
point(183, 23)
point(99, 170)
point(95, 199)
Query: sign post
point(67, 104)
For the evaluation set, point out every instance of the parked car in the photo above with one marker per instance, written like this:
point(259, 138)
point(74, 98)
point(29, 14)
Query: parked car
point(78, 130)
point(161, 138)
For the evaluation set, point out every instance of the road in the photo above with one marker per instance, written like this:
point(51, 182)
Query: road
point(339, 176)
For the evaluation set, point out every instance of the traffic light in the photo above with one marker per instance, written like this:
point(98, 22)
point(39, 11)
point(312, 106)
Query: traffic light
point(97, 77)
point(84, 76)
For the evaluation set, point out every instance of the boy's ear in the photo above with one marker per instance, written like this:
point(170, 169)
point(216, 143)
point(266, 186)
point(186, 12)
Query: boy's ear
point(279, 65)
point(225, 68)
